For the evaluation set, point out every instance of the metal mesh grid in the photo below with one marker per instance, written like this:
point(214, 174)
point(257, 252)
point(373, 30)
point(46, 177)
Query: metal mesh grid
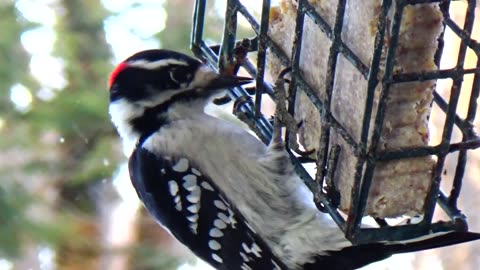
point(220, 55)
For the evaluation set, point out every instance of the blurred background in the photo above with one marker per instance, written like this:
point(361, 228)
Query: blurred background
point(65, 197)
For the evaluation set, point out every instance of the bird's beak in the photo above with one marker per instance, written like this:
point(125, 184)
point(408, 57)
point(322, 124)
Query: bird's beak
point(207, 79)
point(222, 81)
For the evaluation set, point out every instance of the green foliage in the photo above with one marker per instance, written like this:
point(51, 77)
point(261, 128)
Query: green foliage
point(17, 227)
point(76, 119)
point(53, 155)
point(11, 221)
point(179, 40)
point(79, 114)
point(83, 45)
point(13, 56)
point(97, 163)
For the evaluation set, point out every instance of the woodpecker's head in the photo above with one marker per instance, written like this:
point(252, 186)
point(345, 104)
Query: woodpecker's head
point(152, 87)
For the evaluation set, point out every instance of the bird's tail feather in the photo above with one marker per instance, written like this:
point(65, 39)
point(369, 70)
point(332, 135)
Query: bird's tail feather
point(354, 257)
point(433, 241)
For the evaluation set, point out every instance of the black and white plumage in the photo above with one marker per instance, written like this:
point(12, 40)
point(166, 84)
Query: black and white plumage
point(189, 202)
point(235, 202)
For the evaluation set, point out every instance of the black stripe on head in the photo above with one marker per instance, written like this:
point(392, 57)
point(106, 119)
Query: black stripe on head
point(151, 121)
point(150, 72)
point(137, 84)
point(155, 117)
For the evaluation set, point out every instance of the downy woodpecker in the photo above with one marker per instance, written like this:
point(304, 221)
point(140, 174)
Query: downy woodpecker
point(236, 203)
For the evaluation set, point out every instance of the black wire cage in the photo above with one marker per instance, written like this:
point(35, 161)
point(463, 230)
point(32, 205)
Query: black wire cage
point(231, 48)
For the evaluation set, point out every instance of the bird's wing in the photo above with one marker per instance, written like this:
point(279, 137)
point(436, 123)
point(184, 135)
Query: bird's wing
point(193, 209)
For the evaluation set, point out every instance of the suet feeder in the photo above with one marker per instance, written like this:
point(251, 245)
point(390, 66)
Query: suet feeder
point(381, 76)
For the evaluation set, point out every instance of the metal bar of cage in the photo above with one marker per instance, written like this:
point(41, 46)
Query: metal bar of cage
point(219, 56)
point(362, 186)
point(261, 55)
point(323, 156)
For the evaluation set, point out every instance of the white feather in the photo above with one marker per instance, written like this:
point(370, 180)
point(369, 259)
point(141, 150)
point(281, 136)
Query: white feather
point(156, 64)
point(121, 112)
point(279, 207)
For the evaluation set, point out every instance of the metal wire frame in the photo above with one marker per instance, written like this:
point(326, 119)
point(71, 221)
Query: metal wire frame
point(367, 154)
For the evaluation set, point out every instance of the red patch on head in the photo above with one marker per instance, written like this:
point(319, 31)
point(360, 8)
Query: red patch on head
point(115, 73)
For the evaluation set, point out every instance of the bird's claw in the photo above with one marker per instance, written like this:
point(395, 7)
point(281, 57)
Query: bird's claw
point(284, 119)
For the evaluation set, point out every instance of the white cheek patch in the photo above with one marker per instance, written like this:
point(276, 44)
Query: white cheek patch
point(121, 113)
point(157, 98)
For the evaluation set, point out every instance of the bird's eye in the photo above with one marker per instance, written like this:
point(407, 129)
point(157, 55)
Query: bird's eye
point(180, 75)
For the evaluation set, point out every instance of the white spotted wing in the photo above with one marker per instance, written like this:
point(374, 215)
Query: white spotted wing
point(185, 201)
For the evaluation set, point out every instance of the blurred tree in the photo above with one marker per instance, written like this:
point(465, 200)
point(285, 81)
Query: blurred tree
point(176, 34)
point(57, 156)
point(83, 124)
point(14, 54)
point(62, 143)
point(14, 61)
point(56, 153)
